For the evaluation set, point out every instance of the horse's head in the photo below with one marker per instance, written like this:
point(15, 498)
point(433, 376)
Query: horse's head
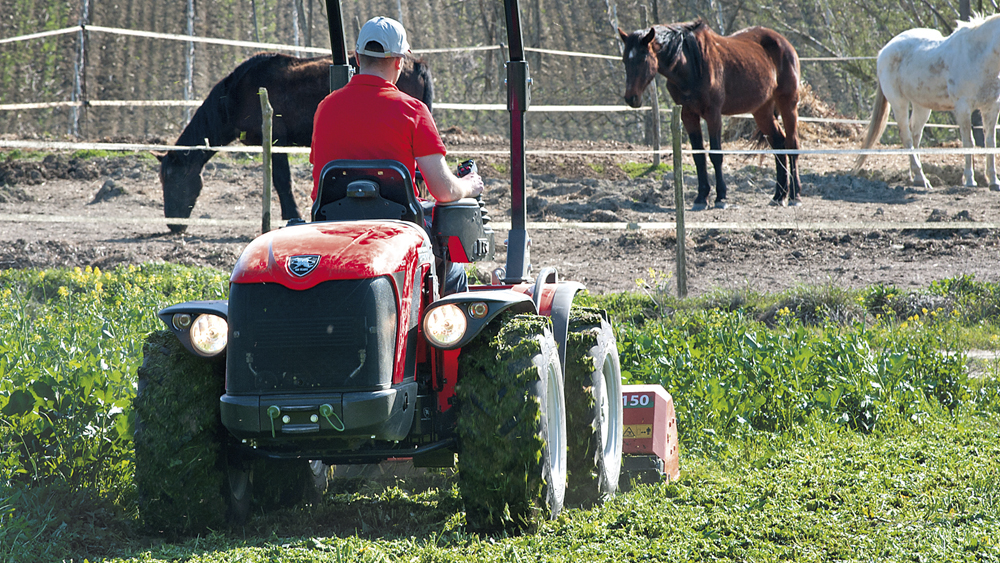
point(180, 175)
point(639, 56)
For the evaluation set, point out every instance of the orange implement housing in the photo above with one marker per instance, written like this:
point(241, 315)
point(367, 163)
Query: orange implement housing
point(651, 426)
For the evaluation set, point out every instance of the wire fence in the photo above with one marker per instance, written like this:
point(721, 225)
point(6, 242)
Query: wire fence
point(629, 121)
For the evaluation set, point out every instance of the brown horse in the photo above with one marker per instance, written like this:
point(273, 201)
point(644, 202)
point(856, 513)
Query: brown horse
point(754, 70)
point(231, 111)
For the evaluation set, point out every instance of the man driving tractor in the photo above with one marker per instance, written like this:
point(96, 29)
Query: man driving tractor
point(371, 119)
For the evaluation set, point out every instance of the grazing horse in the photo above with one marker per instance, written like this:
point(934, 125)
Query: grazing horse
point(232, 111)
point(958, 73)
point(754, 70)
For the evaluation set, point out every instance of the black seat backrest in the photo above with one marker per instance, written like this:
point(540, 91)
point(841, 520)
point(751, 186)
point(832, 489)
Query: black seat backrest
point(351, 190)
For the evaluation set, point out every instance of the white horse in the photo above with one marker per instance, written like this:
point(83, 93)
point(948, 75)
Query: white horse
point(958, 73)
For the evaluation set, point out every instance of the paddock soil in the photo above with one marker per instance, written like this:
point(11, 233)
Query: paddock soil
point(60, 211)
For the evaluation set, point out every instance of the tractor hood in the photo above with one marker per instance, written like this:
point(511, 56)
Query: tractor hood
point(303, 256)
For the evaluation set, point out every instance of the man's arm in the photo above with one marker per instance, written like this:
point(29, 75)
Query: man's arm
point(443, 184)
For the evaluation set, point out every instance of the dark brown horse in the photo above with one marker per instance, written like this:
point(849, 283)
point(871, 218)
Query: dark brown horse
point(754, 70)
point(232, 111)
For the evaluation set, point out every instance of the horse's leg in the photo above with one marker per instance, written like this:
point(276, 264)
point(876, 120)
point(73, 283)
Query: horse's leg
point(990, 125)
point(692, 124)
point(768, 126)
point(900, 110)
point(714, 123)
point(282, 177)
point(790, 121)
point(963, 115)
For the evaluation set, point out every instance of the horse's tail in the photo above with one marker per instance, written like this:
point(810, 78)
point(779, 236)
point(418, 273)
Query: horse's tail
point(880, 117)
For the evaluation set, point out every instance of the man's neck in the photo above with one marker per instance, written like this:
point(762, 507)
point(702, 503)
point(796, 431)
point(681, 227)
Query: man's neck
point(388, 75)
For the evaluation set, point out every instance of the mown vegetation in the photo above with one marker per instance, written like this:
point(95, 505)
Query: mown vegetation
point(816, 424)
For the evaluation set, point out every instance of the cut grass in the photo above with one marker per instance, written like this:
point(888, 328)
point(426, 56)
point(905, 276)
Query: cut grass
point(918, 481)
point(917, 492)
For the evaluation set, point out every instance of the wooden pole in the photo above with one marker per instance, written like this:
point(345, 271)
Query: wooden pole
point(655, 124)
point(80, 71)
point(189, 63)
point(675, 136)
point(267, 113)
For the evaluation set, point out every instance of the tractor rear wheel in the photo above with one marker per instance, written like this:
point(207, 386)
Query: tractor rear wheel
point(593, 408)
point(180, 455)
point(511, 426)
point(283, 483)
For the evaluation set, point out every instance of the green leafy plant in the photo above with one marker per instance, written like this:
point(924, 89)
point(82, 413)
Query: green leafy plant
point(69, 346)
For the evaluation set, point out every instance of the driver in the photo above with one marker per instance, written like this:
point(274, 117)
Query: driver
point(371, 119)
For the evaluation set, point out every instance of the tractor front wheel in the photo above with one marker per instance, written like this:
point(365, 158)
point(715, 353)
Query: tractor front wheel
point(593, 407)
point(180, 443)
point(511, 426)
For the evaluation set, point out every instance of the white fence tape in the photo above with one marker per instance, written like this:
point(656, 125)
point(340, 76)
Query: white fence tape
point(541, 226)
point(320, 51)
point(70, 146)
point(437, 106)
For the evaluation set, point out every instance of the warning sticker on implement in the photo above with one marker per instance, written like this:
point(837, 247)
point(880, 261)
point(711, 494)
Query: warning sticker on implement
point(638, 431)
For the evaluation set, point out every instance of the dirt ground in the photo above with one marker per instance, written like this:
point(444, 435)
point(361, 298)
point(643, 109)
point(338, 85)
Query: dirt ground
point(63, 212)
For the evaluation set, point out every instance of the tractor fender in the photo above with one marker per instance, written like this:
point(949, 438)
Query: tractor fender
point(470, 304)
point(562, 302)
point(217, 307)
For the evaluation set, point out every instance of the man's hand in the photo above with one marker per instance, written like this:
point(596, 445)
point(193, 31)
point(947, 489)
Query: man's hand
point(443, 184)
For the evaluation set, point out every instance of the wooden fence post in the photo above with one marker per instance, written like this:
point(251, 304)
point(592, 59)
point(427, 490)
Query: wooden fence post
point(189, 64)
point(675, 135)
point(655, 134)
point(80, 72)
point(267, 113)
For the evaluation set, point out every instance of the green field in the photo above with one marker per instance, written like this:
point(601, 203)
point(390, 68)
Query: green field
point(818, 424)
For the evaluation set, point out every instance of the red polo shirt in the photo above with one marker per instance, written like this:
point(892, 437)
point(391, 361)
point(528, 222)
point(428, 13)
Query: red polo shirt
point(371, 119)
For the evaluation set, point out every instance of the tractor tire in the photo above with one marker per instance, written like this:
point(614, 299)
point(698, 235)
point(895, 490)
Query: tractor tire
point(180, 443)
point(281, 483)
point(594, 413)
point(511, 426)
point(239, 478)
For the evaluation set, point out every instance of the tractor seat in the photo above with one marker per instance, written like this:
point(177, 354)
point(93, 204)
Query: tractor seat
point(353, 190)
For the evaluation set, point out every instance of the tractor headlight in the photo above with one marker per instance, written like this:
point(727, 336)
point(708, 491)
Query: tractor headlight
point(209, 334)
point(445, 325)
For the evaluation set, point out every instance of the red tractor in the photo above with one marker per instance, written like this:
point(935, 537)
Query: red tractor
point(336, 347)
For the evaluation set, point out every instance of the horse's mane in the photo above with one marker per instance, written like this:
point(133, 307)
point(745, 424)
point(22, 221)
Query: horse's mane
point(213, 115)
point(682, 37)
point(975, 20)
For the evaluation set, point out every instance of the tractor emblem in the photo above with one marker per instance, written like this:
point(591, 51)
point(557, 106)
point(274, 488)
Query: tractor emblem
point(302, 265)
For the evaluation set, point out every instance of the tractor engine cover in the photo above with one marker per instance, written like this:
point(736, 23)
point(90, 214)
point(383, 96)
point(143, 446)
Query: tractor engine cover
point(325, 306)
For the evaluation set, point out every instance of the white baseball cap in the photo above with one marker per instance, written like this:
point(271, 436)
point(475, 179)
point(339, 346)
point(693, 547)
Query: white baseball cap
point(388, 33)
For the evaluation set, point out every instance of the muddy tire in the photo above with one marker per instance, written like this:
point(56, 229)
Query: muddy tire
point(180, 443)
point(594, 414)
point(283, 483)
point(511, 426)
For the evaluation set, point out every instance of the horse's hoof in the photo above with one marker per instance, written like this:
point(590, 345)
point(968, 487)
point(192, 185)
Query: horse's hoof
point(794, 202)
point(721, 205)
point(777, 203)
point(699, 207)
point(995, 187)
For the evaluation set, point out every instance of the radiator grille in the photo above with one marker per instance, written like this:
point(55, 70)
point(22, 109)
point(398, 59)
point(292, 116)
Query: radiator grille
point(338, 335)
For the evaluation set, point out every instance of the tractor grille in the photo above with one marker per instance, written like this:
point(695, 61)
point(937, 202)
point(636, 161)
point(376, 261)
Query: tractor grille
point(338, 335)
